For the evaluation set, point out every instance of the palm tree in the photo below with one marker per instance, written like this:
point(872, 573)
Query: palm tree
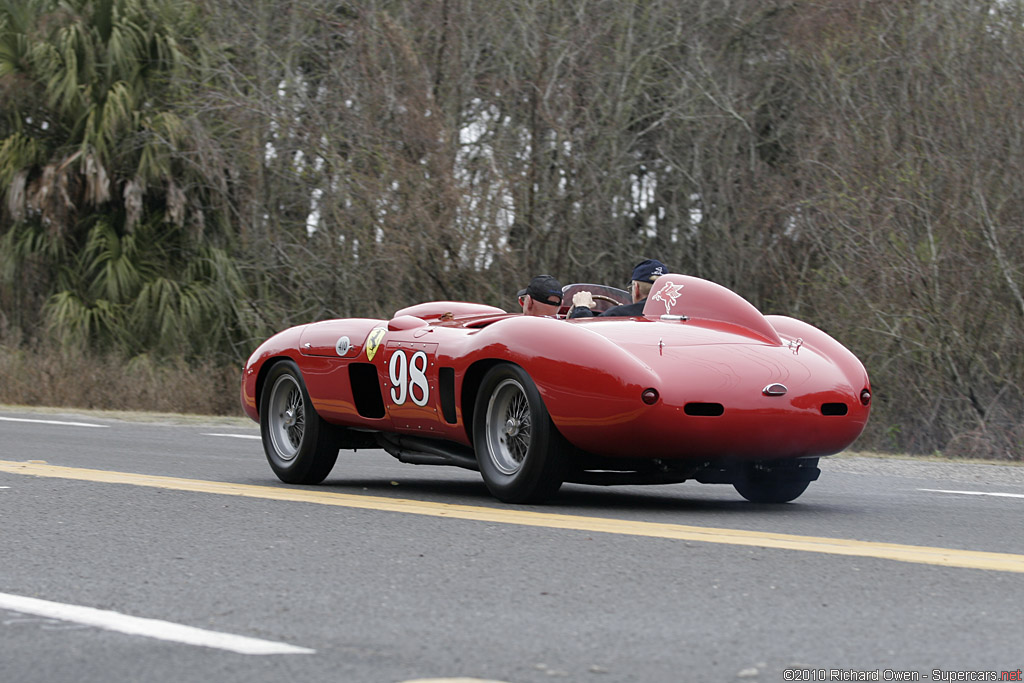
point(114, 199)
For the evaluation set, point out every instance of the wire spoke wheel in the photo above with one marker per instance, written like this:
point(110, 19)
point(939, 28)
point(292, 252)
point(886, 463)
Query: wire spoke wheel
point(509, 427)
point(520, 452)
point(287, 417)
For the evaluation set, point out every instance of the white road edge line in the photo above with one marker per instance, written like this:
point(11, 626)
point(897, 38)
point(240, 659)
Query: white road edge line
point(977, 493)
point(236, 436)
point(150, 628)
point(53, 422)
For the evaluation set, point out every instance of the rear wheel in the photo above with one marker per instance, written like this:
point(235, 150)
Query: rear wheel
point(520, 453)
point(774, 482)
point(299, 445)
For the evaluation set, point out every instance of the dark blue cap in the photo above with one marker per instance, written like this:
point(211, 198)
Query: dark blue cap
point(649, 271)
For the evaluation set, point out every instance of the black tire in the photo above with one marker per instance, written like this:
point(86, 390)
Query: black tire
point(299, 445)
point(770, 482)
point(521, 455)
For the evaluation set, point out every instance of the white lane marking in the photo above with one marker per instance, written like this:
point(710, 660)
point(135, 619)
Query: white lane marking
point(237, 436)
point(5, 487)
point(52, 422)
point(150, 628)
point(452, 680)
point(977, 493)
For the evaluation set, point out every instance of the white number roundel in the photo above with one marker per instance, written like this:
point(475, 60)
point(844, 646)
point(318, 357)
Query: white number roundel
point(408, 378)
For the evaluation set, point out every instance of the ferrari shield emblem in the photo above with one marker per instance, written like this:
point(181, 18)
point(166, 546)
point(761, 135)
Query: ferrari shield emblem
point(373, 341)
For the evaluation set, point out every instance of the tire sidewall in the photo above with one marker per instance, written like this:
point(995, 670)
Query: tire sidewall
point(542, 470)
point(297, 470)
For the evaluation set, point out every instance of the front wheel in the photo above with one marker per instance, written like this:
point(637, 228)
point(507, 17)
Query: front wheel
point(520, 452)
point(298, 443)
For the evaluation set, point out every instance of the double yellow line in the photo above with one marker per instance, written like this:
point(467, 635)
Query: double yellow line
point(946, 557)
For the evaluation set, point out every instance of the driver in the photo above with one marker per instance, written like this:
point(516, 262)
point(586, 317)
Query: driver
point(643, 276)
point(543, 296)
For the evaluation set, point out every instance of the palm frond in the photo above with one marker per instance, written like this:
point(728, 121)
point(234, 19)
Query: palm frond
point(133, 192)
point(97, 181)
point(115, 114)
point(14, 46)
point(111, 260)
point(60, 70)
point(25, 244)
point(126, 51)
point(176, 204)
point(76, 322)
point(155, 310)
point(18, 152)
point(49, 195)
point(16, 195)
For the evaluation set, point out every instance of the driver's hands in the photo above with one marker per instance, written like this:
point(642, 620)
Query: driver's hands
point(583, 299)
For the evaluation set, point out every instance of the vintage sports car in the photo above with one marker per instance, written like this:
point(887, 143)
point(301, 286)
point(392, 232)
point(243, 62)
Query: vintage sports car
point(701, 387)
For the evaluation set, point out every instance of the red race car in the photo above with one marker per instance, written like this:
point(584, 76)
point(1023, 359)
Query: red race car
point(701, 387)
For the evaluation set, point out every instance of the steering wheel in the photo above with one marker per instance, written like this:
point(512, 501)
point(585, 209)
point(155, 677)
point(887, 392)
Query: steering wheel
point(614, 297)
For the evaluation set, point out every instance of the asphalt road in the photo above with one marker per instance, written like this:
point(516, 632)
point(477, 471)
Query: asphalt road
point(114, 539)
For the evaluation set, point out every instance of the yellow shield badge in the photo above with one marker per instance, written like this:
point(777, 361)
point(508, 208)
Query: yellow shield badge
point(373, 341)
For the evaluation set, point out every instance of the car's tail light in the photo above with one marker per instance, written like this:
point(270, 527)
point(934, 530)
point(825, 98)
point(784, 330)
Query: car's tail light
point(649, 396)
point(865, 397)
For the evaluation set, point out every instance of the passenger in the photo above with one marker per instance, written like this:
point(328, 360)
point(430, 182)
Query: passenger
point(644, 275)
point(543, 296)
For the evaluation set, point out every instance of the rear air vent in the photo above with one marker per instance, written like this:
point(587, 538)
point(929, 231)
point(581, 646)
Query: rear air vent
point(446, 388)
point(704, 409)
point(834, 409)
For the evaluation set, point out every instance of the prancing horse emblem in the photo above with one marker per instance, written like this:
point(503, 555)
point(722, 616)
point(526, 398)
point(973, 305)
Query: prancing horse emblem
point(373, 341)
point(668, 294)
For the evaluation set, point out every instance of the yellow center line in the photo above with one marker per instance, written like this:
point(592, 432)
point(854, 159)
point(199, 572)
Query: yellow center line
point(946, 557)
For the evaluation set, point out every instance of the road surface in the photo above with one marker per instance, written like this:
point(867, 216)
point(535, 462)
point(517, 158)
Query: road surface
point(138, 548)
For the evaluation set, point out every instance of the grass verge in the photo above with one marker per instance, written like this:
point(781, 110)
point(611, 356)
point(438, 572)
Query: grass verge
point(75, 380)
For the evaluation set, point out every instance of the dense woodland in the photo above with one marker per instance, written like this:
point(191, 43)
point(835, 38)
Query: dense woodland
point(181, 178)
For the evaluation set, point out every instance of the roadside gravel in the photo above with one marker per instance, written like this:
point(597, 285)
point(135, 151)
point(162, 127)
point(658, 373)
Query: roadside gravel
point(130, 416)
point(963, 471)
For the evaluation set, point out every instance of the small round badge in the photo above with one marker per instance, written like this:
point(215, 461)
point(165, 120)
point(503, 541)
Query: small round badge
point(343, 346)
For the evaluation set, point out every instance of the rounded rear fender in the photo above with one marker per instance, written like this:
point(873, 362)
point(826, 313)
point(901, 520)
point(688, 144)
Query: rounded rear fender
point(578, 372)
point(794, 331)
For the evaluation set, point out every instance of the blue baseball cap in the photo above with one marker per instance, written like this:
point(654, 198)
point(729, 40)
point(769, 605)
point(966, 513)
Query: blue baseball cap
point(649, 270)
